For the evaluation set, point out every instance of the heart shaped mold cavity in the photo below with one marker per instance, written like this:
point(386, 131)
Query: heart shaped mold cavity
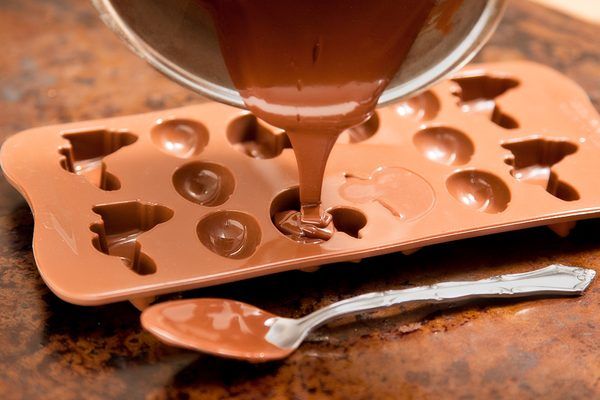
point(255, 138)
point(532, 161)
point(204, 183)
point(423, 107)
point(477, 95)
point(403, 193)
point(121, 225)
point(479, 190)
point(444, 145)
point(182, 138)
point(231, 234)
point(361, 132)
point(86, 150)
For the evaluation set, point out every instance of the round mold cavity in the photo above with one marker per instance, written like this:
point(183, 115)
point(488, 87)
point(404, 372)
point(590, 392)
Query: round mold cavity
point(361, 132)
point(422, 107)
point(479, 190)
point(256, 139)
point(231, 234)
point(444, 145)
point(204, 183)
point(182, 138)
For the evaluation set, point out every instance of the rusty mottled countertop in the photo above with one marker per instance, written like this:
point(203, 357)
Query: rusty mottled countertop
point(60, 64)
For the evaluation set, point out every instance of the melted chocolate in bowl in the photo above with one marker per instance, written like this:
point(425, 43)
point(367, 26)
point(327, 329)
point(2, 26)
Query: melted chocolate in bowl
point(315, 68)
point(222, 327)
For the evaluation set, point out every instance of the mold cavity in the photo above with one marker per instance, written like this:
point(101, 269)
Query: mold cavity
point(444, 145)
point(423, 107)
point(121, 225)
point(561, 189)
point(181, 138)
point(255, 139)
point(483, 87)
point(532, 161)
point(477, 95)
point(285, 215)
point(503, 120)
point(348, 220)
point(345, 219)
point(361, 132)
point(231, 234)
point(204, 183)
point(288, 200)
point(479, 190)
point(85, 153)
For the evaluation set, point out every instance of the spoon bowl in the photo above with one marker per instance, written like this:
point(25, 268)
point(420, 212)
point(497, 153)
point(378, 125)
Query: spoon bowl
point(221, 327)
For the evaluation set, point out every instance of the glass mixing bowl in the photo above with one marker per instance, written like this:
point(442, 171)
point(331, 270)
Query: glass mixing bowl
point(178, 39)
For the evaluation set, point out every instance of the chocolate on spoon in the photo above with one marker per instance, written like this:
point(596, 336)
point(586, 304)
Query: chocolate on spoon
point(233, 329)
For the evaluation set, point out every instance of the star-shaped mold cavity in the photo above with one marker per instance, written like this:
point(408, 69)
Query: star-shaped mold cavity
point(403, 193)
point(477, 95)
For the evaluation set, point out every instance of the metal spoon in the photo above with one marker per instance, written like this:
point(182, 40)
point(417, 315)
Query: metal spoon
point(233, 329)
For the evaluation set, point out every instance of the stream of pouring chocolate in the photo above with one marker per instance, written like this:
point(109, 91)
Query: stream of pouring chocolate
point(314, 68)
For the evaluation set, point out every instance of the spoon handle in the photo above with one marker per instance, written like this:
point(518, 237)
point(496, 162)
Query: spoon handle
point(555, 279)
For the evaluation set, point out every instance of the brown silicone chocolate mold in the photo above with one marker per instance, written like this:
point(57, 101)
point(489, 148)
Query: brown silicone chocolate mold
point(155, 203)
